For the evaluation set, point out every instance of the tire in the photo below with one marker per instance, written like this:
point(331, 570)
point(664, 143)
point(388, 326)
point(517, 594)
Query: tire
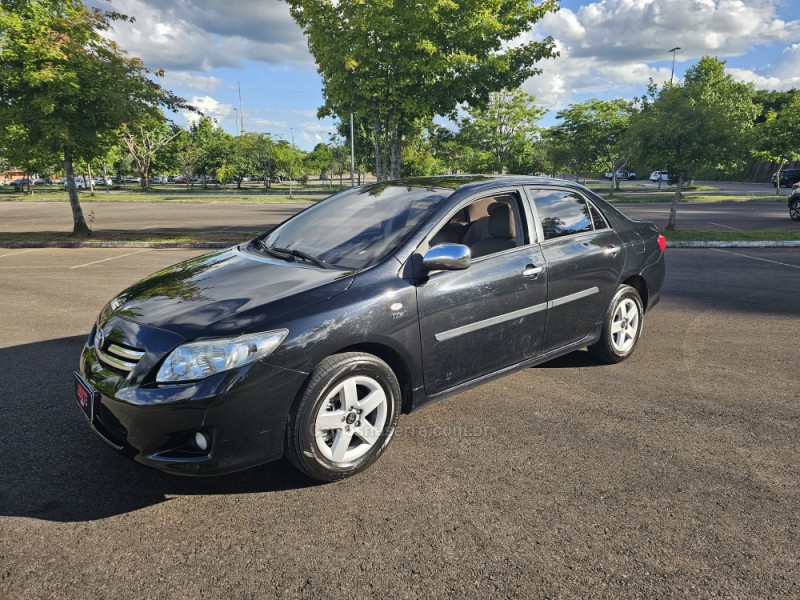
point(794, 210)
point(327, 437)
point(621, 328)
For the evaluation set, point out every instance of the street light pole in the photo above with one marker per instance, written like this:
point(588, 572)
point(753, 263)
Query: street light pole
point(671, 75)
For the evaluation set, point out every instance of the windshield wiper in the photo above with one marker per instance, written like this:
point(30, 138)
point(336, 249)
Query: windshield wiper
point(275, 251)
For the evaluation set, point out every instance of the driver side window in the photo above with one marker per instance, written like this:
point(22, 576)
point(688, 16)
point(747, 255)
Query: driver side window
point(487, 226)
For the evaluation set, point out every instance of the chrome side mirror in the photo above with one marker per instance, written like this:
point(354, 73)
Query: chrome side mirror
point(447, 257)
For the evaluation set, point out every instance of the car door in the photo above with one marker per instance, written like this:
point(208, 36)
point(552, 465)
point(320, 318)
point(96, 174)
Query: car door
point(488, 316)
point(584, 258)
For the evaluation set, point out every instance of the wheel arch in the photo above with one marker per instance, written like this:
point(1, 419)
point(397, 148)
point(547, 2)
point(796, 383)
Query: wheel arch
point(638, 283)
point(396, 362)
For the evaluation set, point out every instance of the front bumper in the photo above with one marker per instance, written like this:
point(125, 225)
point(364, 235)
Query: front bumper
point(242, 412)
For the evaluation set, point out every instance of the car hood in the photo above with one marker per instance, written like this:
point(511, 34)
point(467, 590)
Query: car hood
point(225, 293)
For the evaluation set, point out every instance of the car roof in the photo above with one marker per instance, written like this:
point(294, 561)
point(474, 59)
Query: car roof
point(476, 183)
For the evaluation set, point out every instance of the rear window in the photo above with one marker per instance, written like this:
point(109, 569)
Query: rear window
point(562, 213)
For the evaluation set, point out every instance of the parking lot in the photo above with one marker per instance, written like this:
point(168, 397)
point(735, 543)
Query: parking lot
point(674, 474)
point(153, 217)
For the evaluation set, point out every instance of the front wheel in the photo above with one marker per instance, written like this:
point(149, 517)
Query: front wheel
point(794, 209)
point(622, 327)
point(345, 416)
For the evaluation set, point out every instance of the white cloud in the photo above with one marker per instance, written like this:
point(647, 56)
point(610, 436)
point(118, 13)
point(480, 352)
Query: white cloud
point(204, 83)
point(200, 35)
point(784, 74)
point(210, 107)
point(607, 47)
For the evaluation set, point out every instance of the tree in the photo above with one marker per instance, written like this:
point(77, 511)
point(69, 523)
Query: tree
point(400, 61)
point(776, 137)
point(288, 159)
point(68, 86)
point(503, 128)
point(144, 140)
point(594, 132)
point(253, 152)
point(212, 146)
point(703, 122)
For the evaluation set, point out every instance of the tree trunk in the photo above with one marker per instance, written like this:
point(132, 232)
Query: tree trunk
point(398, 147)
point(673, 211)
point(778, 179)
point(376, 138)
point(91, 179)
point(79, 226)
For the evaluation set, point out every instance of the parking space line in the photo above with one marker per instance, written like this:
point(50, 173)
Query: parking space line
point(148, 227)
point(775, 262)
point(20, 252)
point(107, 259)
point(725, 226)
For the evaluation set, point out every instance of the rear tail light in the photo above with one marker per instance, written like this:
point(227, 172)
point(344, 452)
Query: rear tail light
point(662, 243)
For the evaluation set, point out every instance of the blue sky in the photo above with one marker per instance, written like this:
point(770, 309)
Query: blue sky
point(609, 49)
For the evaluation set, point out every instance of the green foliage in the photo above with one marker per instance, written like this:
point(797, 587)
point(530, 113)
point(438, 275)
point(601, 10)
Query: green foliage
point(591, 135)
point(400, 61)
point(145, 139)
point(777, 137)
point(252, 153)
point(66, 86)
point(497, 135)
point(702, 123)
point(211, 146)
point(226, 173)
point(289, 160)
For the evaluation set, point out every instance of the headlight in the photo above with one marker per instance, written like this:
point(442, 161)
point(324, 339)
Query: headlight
point(197, 360)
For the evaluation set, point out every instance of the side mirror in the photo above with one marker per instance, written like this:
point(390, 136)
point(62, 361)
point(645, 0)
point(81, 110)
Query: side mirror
point(447, 257)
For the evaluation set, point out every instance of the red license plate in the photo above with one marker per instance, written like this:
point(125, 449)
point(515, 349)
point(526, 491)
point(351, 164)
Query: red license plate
point(85, 396)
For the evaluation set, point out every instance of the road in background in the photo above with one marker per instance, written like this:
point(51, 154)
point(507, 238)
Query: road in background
point(231, 216)
point(673, 474)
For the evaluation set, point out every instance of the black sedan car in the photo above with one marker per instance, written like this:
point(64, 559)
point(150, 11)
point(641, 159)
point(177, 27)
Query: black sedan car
point(310, 340)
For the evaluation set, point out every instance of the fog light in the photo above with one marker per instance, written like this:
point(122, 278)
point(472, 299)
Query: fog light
point(201, 440)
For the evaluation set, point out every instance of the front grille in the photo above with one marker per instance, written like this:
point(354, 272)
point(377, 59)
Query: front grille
point(121, 358)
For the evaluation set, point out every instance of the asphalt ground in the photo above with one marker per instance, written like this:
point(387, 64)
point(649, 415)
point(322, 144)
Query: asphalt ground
point(16, 217)
point(674, 474)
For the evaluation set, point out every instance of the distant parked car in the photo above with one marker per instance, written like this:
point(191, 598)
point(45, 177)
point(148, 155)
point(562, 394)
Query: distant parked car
point(80, 182)
point(132, 180)
point(794, 202)
point(788, 177)
point(20, 182)
point(103, 181)
point(659, 176)
point(158, 179)
point(622, 175)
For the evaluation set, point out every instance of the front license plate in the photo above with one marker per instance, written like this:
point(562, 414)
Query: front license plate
point(85, 396)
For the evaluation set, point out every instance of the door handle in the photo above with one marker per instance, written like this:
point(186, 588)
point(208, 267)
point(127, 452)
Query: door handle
point(613, 250)
point(532, 271)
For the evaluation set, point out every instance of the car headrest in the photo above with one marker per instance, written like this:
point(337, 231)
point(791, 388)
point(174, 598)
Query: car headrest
point(500, 223)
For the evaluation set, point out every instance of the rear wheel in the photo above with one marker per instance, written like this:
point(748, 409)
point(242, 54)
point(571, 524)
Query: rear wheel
point(794, 209)
point(345, 417)
point(622, 326)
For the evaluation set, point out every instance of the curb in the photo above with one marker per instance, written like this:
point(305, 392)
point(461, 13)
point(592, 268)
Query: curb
point(734, 244)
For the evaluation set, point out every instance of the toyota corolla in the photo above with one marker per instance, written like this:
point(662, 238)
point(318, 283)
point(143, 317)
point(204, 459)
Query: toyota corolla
point(310, 340)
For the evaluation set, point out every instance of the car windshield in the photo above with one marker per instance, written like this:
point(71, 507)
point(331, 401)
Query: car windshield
point(356, 228)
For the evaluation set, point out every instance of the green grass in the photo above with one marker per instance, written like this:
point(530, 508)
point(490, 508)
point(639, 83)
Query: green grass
point(127, 196)
point(709, 235)
point(668, 196)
